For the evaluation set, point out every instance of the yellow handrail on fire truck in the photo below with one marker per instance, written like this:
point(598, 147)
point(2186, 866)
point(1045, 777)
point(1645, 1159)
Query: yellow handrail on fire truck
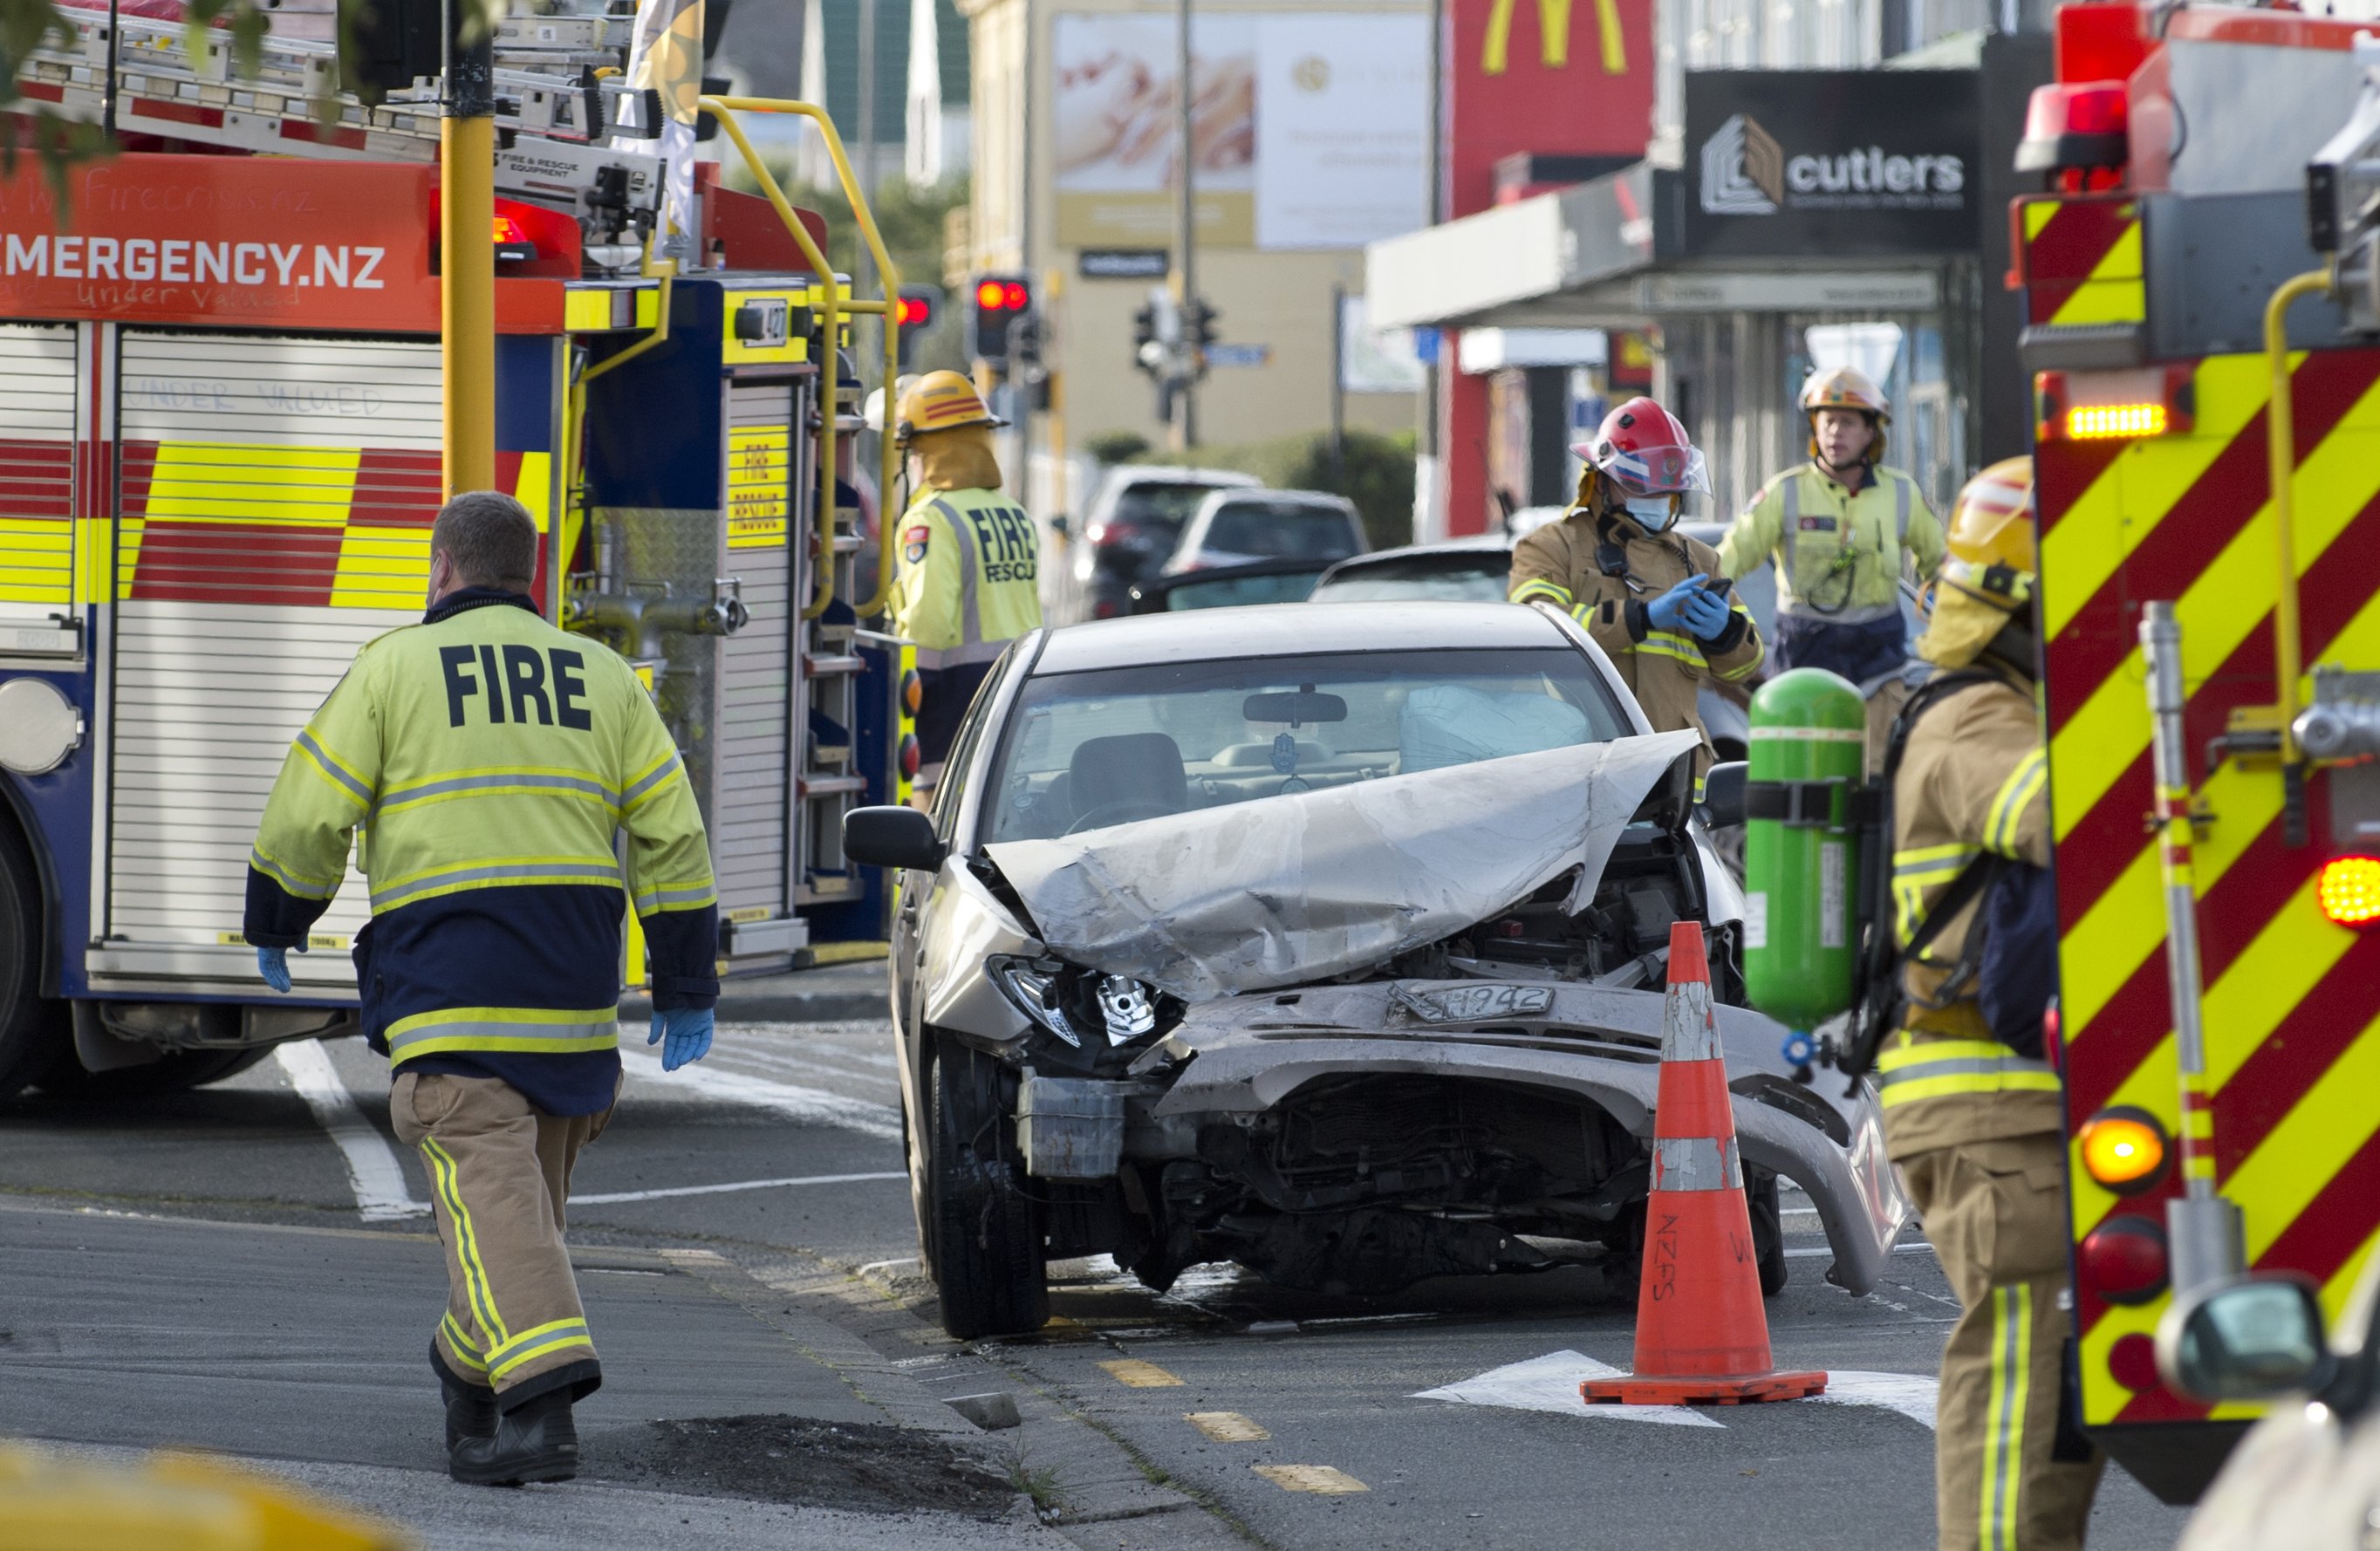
point(888, 283)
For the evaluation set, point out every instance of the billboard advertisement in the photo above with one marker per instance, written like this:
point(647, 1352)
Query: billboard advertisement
point(1307, 131)
point(1865, 162)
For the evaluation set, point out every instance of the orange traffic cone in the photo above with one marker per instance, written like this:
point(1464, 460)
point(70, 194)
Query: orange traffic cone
point(1701, 1334)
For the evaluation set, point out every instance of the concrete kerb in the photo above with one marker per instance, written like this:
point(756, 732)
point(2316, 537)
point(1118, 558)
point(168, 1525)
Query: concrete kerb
point(831, 994)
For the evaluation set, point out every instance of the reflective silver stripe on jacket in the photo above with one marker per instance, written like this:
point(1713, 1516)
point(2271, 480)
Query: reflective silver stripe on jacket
point(1696, 1163)
point(970, 577)
point(575, 872)
point(463, 1033)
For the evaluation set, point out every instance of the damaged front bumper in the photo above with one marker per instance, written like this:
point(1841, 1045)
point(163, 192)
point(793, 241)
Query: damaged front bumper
point(1602, 1046)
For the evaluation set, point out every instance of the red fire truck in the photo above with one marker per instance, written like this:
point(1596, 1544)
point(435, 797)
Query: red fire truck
point(219, 440)
point(2199, 305)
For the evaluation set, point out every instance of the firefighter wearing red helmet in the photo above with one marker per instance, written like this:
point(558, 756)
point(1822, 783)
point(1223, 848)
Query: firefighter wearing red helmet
point(1654, 600)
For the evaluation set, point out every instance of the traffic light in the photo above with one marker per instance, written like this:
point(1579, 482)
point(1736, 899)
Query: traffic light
point(1199, 329)
point(999, 300)
point(914, 312)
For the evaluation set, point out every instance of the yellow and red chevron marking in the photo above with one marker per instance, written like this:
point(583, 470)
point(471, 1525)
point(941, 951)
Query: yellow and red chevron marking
point(2083, 260)
point(315, 526)
point(2292, 1003)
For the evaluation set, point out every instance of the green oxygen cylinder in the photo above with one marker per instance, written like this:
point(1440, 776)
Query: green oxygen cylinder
point(1801, 848)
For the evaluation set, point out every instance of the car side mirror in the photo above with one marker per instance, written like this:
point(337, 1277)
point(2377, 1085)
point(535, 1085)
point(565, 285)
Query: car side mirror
point(891, 837)
point(2246, 1338)
point(1723, 788)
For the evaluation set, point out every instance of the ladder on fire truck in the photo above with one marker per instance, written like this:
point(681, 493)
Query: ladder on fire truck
point(559, 97)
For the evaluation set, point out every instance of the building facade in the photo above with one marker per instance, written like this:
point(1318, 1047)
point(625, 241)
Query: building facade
point(1308, 141)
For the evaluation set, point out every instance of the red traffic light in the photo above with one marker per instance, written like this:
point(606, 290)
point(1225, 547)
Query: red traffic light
point(913, 312)
point(993, 295)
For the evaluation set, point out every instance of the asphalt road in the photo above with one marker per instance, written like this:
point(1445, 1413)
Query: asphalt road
point(1441, 1417)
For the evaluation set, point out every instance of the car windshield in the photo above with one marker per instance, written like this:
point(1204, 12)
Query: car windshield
point(1280, 531)
point(1083, 751)
point(1475, 576)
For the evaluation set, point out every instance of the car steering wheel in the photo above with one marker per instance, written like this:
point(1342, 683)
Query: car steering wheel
point(1121, 812)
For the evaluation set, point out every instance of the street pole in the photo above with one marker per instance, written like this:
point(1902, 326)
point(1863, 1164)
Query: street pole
point(1339, 385)
point(1430, 466)
point(863, 265)
point(466, 249)
point(1185, 219)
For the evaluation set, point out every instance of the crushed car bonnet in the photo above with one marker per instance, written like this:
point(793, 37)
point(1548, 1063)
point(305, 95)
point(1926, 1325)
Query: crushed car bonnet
point(1309, 885)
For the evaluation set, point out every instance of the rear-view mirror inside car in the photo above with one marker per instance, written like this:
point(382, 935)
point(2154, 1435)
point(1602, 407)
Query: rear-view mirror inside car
point(2254, 1339)
point(1294, 708)
point(891, 837)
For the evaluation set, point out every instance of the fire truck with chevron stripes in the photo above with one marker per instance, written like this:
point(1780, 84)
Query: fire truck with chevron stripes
point(220, 456)
point(2199, 281)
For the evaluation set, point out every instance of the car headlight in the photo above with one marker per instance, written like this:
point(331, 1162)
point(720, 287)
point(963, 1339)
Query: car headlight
point(1034, 992)
point(1039, 989)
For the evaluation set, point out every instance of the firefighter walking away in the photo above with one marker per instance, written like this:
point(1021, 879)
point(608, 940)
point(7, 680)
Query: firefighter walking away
point(1972, 1112)
point(498, 761)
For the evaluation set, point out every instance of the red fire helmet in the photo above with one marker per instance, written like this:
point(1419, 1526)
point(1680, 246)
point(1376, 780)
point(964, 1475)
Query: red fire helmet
point(1642, 449)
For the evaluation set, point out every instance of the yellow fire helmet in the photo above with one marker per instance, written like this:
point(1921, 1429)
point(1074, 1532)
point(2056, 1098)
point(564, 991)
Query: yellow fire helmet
point(1989, 571)
point(1845, 387)
point(941, 400)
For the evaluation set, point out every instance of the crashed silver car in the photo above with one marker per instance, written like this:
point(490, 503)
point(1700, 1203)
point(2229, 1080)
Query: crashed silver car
point(1328, 939)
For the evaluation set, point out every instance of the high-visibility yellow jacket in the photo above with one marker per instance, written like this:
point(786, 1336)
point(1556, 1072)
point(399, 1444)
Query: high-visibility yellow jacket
point(486, 764)
point(1974, 780)
point(1838, 552)
point(1602, 572)
point(968, 580)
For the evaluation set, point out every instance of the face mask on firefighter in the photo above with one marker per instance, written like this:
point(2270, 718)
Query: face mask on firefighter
point(1653, 512)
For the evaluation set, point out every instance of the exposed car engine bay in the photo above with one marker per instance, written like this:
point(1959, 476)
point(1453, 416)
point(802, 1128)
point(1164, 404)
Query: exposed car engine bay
point(1366, 1184)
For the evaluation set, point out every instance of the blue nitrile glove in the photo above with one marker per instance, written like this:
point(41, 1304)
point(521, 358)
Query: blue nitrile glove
point(1669, 610)
point(274, 964)
point(688, 1031)
point(1705, 615)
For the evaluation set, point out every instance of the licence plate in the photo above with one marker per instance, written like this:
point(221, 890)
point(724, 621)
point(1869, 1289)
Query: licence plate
point(1471, 1003)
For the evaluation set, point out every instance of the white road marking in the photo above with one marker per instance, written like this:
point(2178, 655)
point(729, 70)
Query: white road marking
point(1551, 1383)
point(789, 1099)
point(1915, 1246)
point(619, 1196)
point(1909, 1394)
point(372, 1169)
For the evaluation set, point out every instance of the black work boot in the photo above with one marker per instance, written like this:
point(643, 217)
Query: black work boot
point(470, 1408)
point(534, 1441)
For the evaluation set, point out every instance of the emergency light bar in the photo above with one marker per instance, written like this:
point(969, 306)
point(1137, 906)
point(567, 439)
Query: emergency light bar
point(2113, 406)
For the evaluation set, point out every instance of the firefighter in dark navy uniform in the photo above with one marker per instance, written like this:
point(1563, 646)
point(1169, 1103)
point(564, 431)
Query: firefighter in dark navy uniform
point(486, 765)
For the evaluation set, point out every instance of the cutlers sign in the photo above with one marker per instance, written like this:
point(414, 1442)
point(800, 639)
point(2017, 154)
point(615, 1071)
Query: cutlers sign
point(1868, 162)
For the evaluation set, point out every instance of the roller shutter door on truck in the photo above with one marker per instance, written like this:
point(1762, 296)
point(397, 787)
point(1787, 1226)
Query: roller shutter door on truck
point(754, 775)
point(36, 479)
point(277, 494)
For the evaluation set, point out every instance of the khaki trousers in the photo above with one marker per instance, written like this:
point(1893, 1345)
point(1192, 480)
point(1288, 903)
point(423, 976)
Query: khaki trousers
point(499, 1175)
point(1996, 1214)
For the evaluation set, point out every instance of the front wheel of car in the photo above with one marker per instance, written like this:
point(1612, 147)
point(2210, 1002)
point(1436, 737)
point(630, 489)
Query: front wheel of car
point(1768, 1230)
point(987, 1231)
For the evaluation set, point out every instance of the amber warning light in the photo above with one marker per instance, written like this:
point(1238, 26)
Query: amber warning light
point(2123, 1149)
point(2114, 406)
point(2350, 890)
